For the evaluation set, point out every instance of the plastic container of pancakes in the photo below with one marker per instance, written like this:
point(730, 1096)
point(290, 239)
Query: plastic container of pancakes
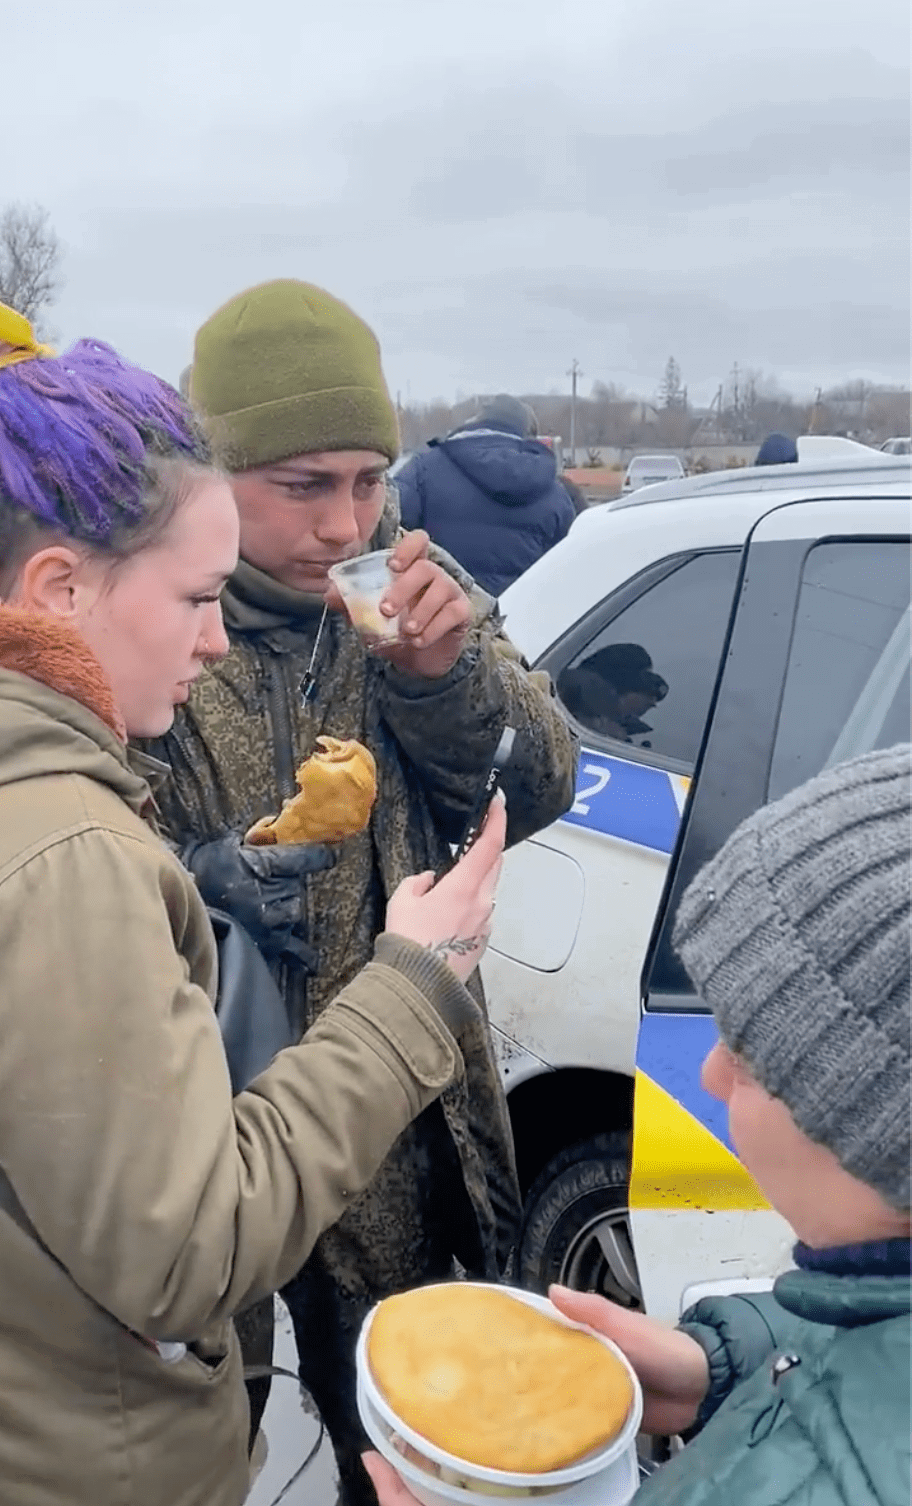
point(470, 1401)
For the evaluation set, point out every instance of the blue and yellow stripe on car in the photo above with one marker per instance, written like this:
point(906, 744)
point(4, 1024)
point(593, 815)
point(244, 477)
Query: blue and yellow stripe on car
point(682, 1155)
point(633, 802)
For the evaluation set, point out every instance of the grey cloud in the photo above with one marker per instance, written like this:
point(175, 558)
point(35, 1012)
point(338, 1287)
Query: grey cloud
point(494, 196)
point(865, 141)
point(707, 332)
point(860, 146)
point(496, 186)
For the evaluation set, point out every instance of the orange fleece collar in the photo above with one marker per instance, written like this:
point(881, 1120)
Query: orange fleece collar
point(54, 654)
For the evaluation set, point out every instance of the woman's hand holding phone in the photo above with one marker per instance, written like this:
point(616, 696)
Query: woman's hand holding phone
point(452, 915)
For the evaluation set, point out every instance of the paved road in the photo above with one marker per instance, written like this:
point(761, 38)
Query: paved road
point(291, 1431)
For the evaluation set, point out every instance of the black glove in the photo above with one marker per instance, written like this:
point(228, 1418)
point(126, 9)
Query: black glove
point(260, 887)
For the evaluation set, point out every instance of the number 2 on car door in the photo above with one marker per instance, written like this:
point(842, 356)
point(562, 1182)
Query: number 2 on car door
point(583, 797)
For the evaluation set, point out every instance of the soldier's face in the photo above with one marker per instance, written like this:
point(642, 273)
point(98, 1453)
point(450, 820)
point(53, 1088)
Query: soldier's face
point(300, 516)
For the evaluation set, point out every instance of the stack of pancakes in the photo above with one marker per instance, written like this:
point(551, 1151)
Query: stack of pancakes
point(495, 1382)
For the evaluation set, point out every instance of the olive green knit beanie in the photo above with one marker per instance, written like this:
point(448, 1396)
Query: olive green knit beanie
point(286, 369)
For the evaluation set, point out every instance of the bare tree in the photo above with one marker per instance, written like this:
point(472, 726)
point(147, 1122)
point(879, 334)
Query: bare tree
point(888, 412)
point(29, 261)
point(751, 405)
point(671, 388)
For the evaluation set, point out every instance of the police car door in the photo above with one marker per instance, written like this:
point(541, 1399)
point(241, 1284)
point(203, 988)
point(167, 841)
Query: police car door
point(817, 671)
point(577, 902)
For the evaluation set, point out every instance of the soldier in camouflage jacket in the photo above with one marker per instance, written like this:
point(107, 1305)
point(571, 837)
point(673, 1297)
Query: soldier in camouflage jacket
point(448, 1190)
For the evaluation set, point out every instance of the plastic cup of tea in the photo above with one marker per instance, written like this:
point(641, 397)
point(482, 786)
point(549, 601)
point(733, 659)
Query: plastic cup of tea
point(362, 583)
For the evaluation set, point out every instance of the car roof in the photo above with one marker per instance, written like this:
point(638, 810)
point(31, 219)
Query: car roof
point(651, 459)
point(608, 546)
point(766, 478)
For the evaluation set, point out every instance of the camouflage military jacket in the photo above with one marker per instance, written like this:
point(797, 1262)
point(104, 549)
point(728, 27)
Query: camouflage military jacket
point(232, 753)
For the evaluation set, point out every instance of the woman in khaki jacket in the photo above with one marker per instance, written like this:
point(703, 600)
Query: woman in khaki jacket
point(140, 1205)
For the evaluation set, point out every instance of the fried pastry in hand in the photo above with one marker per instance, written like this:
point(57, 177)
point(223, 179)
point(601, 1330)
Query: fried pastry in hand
point(337, 785)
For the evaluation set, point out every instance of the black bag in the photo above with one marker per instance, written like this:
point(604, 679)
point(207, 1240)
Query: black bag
point(250, 1009)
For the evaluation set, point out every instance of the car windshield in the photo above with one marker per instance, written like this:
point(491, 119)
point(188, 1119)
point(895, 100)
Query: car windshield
point(656, 465)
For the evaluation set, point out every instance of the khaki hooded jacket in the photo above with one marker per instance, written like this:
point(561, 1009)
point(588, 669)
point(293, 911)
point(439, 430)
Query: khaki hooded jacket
point(140, 1206)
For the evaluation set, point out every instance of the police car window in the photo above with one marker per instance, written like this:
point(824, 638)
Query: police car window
point(847, 682)
point(646, 679)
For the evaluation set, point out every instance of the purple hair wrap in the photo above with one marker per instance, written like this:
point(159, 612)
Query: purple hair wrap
point(75, 433)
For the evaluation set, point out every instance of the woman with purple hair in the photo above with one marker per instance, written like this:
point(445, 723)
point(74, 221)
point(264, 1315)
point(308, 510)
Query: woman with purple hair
point(141, 1206)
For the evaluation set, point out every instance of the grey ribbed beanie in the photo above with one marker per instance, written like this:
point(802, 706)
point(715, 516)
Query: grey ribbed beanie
point(505, 412)
point(797, 935)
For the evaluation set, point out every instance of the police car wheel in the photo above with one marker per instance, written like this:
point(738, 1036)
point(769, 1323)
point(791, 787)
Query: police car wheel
point(576, 1228)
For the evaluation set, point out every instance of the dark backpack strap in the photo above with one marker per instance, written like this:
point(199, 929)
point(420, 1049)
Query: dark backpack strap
point(250, 1009)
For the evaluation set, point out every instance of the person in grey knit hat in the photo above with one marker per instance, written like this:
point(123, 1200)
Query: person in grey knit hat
point(797, 935)
point(505, 414)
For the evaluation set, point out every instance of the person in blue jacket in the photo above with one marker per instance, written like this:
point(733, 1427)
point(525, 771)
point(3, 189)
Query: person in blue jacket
point(489, 494)
point(797, 935)
point(777, 449)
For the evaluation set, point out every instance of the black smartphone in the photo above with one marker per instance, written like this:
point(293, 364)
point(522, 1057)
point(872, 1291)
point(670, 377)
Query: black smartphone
point(502, 755)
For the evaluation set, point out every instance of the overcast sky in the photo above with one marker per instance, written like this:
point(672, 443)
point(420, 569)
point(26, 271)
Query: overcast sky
point(497, 186)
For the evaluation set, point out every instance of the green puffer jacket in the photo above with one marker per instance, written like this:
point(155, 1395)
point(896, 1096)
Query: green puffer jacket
point(813, 1380)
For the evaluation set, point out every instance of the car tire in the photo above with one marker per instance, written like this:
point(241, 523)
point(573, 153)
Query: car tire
point(576, 1227)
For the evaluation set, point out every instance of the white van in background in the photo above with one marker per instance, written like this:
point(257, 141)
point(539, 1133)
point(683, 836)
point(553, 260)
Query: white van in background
point(646, 470)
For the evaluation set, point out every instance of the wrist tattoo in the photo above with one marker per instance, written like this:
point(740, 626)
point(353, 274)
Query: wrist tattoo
point(459, 946)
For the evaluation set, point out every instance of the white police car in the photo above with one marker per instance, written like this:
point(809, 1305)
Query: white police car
point(714, 649)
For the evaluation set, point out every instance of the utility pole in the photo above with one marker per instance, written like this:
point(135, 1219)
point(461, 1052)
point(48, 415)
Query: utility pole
point(710, 427)
point(574, 373)
point(399, 416)
point(815, 412)
point(736, 403)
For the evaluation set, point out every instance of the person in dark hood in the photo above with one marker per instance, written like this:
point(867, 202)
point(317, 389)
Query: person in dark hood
point(575, 493)
point(488, 493)
point(612, 690)
point(777, 449)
